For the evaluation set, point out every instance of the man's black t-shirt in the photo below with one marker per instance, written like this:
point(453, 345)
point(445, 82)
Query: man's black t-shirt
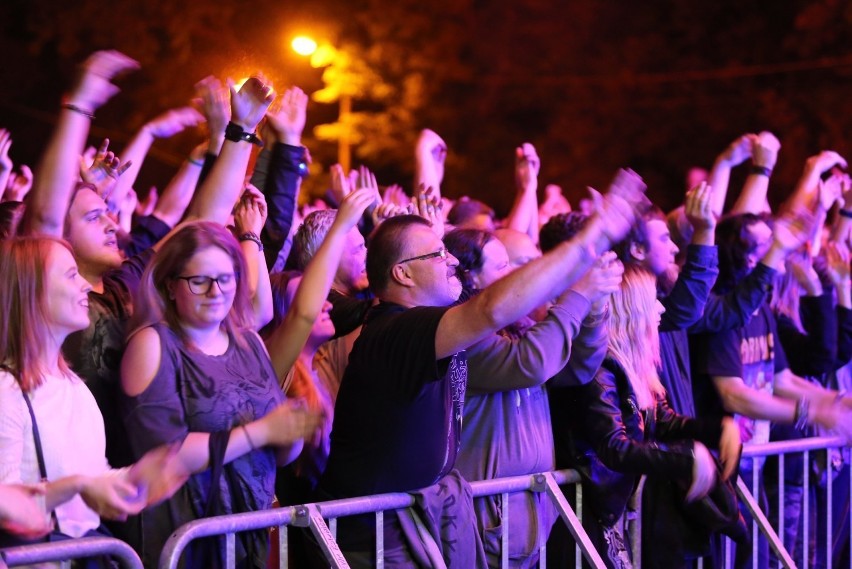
point(398, 414)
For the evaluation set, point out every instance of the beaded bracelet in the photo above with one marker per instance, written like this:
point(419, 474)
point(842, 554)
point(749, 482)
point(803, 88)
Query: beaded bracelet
point(251, 236)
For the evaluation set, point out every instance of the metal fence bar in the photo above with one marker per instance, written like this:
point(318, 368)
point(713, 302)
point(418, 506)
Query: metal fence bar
point(829, 516)
point(326, 540)
point(577, 553)
point(504, 531)
point(807, 513)
point(755, 536)
point(765, 527)
point(380, 540)
point(573, 523)
point(781, 483)
point(71, 549)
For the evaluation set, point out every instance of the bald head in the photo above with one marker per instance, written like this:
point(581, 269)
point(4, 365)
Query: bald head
point(519, 246)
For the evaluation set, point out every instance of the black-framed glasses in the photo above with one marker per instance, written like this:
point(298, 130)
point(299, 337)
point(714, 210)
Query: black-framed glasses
point(442, 253)
point(201, 284)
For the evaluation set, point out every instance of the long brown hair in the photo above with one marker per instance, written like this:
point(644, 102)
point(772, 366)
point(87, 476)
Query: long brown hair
point(153, 301)
point(24, 329)
point(633, 334)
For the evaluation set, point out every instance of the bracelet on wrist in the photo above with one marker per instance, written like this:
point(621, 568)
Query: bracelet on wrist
point(845, 213)
point(78, 110)
point(235, 133)
point(251, 236)
point(760, 171)
point(195, 162)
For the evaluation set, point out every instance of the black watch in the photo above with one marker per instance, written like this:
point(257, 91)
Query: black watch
point(235, 133)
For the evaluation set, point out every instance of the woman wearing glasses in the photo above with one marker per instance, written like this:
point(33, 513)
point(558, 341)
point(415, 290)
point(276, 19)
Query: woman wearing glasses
point(195, 371)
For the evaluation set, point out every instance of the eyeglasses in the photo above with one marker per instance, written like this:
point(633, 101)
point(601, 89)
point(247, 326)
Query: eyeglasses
point(200, 284)
point(442, 253)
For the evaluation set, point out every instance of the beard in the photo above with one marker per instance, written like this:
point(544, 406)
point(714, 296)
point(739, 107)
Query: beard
point(667, 279)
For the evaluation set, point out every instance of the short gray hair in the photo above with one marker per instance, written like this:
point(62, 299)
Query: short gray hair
point(311, 234)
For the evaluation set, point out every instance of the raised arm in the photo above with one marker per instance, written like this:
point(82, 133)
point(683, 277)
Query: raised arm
point(249, 217)
point(518, 293)
point(753, 197)
point(523, 216)
point(430, 155)
point(720, 175)
point(220, 190)
point(286, 164)
point(165, 125)
point(286, 341)
point(56, 173)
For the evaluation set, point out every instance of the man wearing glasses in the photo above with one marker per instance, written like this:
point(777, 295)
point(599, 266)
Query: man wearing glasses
point(398, 412)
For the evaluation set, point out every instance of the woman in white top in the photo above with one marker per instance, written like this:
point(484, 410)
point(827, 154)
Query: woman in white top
point(44, 299)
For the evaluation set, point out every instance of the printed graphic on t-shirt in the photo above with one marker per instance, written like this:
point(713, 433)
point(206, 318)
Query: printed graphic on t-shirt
point(758, 357)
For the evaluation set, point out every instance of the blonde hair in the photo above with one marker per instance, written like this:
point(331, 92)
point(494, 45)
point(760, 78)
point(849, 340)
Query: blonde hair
point(634, 340)
point(24, 328)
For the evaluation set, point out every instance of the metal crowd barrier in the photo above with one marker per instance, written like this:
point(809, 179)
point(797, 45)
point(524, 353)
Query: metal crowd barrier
point(748, 489)
point(313, 516)
point(71, 549)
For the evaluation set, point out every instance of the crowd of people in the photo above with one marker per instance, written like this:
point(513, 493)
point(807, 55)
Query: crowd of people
point(216, 348)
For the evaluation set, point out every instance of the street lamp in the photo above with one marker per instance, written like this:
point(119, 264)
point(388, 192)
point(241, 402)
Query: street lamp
point(324, 56)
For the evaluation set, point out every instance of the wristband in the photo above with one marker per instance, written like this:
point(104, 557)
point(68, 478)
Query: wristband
point(760, 171)
point(251, 236)
point(845, 213)
point(235, 133)
point(78, 110)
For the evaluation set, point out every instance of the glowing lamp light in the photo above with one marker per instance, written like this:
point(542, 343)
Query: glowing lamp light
point(303, 45)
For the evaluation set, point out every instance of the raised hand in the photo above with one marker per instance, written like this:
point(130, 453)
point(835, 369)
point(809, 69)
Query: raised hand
point(19, 184)
point(94, 84)
point(367, 179)
point(802, 267)
point(428, 205)
point(5, 144)
point(104, 171)
point(698, 208)
point(250, 213)
point(792, 228)
point(618, 208)
point(527, 166)
point(602, 279)
point(174, 121)
point(213, 100)
point(340, 184)
point(287, 116)
point(385, 211)
point(765, 150)
point(250, 103)
point(823, 162)
point(394, 194)
point(353, 207)
point(739, 150)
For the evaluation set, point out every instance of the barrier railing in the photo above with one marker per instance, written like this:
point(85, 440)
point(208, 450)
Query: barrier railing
point(760, 521)
point(313, 516)
point(71, 549)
